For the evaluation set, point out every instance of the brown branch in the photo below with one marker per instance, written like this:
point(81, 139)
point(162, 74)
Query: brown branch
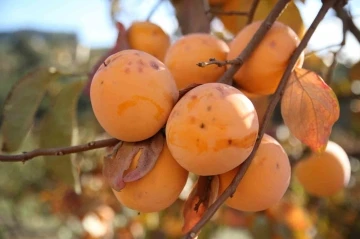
point(153, 10)
point(252, 11)
point(322, 49)
point(59, 151)
point(254, 42)
point(345, 17)
point(274, 101)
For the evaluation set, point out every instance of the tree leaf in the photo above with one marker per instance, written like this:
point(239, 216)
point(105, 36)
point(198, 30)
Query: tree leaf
point(203, 194)
point(309, 108)
point(57, 129)
point(21, 105)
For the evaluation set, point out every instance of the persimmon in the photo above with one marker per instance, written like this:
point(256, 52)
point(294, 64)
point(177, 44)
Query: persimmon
point(158, 189)
point(132, 95)
point(264, 183)
point(324, 174)
point(182, 58)
point(212, 129)
point(148, 37)
point(262, 71)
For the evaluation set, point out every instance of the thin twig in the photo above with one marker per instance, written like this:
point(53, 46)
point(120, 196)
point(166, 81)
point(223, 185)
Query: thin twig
point(345, 17)
point(274, 101)
point(153, 10)
point(330, 71)
point(59, 151)
point(227, 13)
point(252, 11)
point(322, 49)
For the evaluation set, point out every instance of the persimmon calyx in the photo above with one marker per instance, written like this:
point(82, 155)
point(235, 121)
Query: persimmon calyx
point(117, 164)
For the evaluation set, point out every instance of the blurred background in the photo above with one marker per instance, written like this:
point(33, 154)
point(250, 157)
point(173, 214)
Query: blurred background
point(66, 197)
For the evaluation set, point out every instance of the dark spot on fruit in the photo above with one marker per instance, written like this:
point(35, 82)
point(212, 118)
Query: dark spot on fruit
point(193, 97)
point(141, 62)
point(272, 44)
point(102, 82)
point(197, 140)
point(221, 90)
point(129, 63)
point(136, 54)
point(213, 119)
point(154, 65)
point(209, 108)
point(192, 119)
point(230, 141)
point(127, 70)
point(154, 32)
point(202, 125)
point(140, 69)
point(277, 165)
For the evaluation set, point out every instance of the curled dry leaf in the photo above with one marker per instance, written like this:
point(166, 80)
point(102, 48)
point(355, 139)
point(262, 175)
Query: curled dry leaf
point(118, 162)
point(203, 194)
point(309, 108)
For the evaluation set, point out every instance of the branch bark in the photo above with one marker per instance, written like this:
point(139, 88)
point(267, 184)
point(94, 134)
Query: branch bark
point(274, 101)
point(346, 18)
point(255, 41)
point(59, 151)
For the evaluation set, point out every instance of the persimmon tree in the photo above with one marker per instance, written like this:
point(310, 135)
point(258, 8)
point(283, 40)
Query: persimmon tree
point(187, 108)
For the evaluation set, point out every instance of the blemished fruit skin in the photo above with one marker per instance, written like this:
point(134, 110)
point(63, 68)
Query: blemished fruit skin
point(184, 54)
point(265, 181)
point(324, 174)
point(212, 129)
point(262, 71)
point(132, 95)
point(148, 37)
point(158, 189)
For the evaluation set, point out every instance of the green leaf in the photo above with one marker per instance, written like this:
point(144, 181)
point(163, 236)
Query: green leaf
point(59, 129)
point(21, 105)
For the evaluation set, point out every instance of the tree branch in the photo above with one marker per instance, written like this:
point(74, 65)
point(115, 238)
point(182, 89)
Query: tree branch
point(346, 18)
point(58, 151)
point(236, 63)
point(274, 101)
point(252, 11)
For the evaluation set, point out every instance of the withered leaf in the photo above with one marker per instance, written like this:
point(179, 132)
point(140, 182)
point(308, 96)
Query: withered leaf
point(309, 108)
point(203, 194)
point(117, 164)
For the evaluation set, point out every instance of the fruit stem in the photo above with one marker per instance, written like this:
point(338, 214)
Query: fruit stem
point(274, 101)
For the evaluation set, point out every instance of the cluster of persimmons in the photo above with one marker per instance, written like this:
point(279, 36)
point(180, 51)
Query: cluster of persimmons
point(210, 130)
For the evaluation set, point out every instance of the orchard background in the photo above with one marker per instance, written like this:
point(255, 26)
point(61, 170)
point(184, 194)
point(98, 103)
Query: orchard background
point(67, 197)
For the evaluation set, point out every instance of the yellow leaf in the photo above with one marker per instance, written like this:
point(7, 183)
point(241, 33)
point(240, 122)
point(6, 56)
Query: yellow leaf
point(309, 108)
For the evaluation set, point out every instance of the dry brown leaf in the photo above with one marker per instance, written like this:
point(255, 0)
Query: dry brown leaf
point(309, 108)
point(117, 163)
point(203, 194)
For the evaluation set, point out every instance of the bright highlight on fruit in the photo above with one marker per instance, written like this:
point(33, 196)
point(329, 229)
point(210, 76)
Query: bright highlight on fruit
point(264, 183)
point(132, 95)
point(324, 174)
point(212, 129)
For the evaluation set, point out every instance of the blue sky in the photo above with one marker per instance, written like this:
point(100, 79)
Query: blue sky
point(90, 20)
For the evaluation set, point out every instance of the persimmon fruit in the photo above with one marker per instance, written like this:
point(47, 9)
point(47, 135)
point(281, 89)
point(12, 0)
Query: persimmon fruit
point(148, 37)
point(324, 174)
point(212, 129)
point(158, 189)
point(184, 54)
point(132, 95)
point(262, 71)
point(265, 181)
